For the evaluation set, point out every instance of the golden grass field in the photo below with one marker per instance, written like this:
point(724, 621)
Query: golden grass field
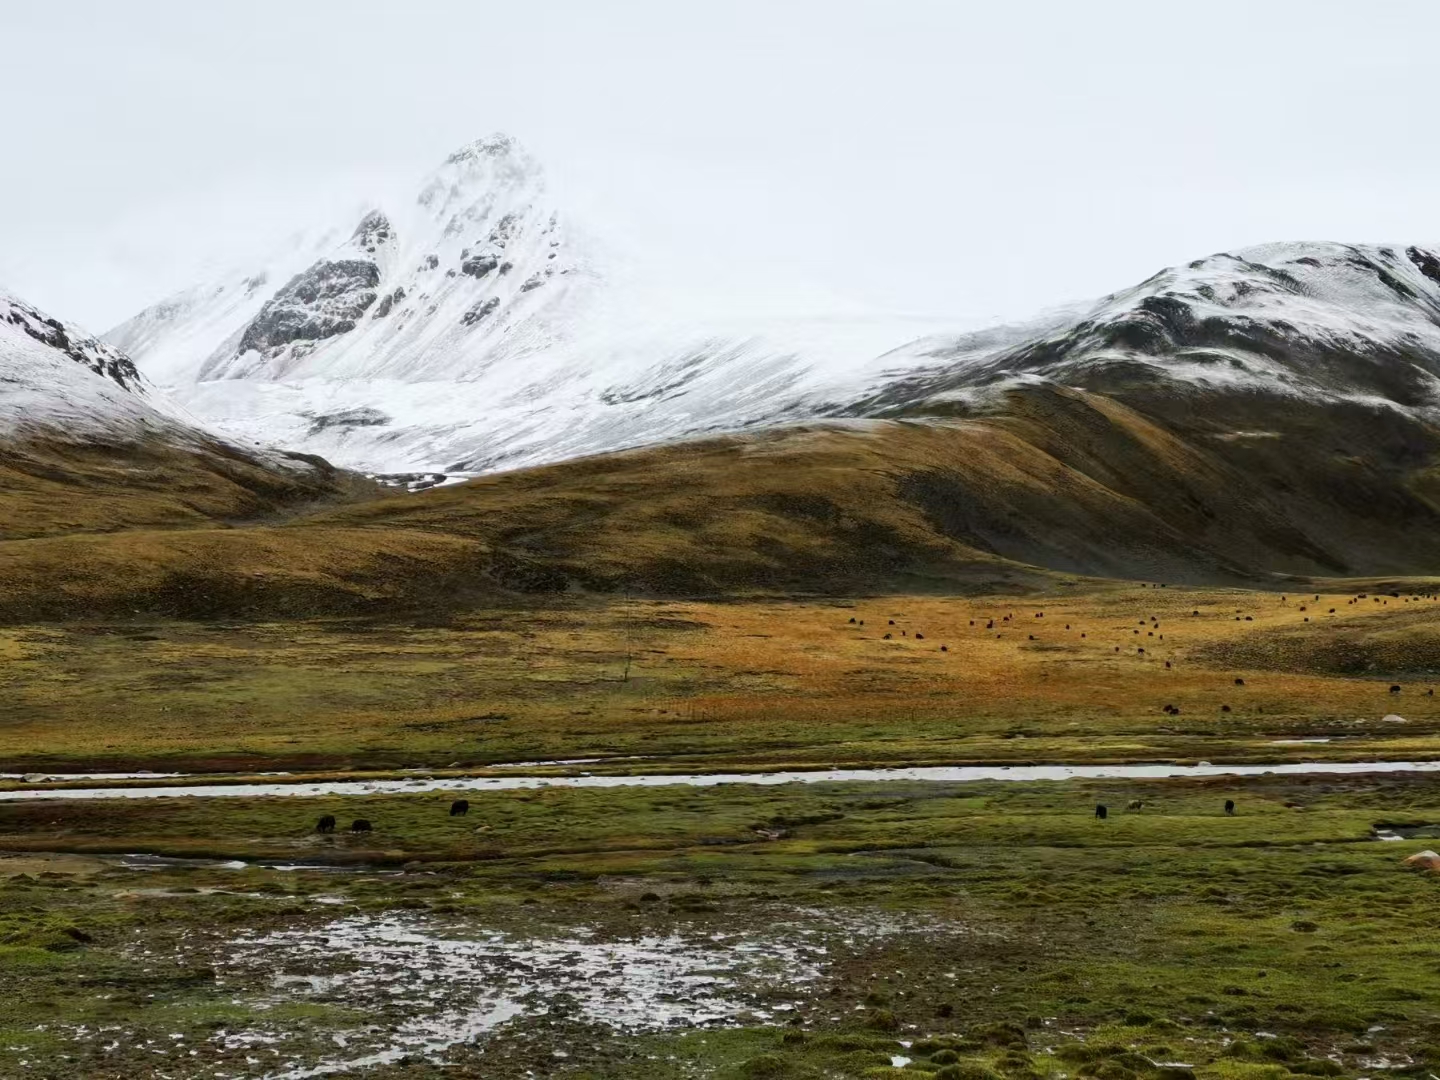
point(1060, 677)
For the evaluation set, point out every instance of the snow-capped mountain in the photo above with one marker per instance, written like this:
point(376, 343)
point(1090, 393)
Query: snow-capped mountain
point(1318, 322)
point(89, 444)
point(56, 378)
point(477, 327)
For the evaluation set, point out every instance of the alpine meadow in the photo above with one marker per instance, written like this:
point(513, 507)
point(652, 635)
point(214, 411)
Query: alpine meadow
point(639, 618)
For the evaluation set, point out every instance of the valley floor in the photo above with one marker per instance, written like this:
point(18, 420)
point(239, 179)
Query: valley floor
point(978, 930)
point(851, 930)
point(1083, 674)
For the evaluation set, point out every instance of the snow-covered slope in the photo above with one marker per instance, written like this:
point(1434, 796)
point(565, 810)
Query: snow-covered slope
point(478, 328)
point(59, 383)
point(57, 379)
point(1319, 322)
point(87, 445)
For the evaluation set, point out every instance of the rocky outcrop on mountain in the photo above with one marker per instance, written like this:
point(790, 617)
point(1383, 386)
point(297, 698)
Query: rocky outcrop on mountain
point(102, 359)
point(326, 300)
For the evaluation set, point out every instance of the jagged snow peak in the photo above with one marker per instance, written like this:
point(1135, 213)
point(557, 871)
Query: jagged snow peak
point(474, 328)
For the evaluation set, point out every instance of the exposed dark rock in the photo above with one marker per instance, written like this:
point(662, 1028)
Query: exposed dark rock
point(1427, 263)
point(387, 302)
point(99, 357)
point(534, 281)
point(373, 231)
point(360, 416)
point(323, 302)
point(481, 310)
point(477, 266)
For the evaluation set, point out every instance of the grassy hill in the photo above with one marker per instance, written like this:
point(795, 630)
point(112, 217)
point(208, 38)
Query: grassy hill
point(1053, 481)
point(52, 487)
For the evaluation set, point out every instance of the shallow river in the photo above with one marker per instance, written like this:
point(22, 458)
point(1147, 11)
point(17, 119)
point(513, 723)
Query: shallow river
point(948, 774)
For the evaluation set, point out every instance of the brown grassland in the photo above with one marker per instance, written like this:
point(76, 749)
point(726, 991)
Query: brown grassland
point(1077, 673)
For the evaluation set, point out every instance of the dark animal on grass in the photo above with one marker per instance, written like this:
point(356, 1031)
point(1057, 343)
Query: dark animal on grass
point(360, 825)
point(1100, 811)
point(326, 824)
point(1134, 804)
point(1239, 682)
point(1394, 689)
point(459, 807)
point(919, 637)
point(1230, 806)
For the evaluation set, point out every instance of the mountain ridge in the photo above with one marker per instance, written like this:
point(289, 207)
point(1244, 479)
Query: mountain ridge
point(89, 445)
point(372, 356)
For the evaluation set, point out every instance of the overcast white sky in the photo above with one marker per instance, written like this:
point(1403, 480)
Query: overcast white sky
point(976, 160)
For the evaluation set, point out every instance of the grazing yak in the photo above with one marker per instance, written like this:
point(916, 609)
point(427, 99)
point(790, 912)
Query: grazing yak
point(360, 825)
point(326, 824)
point(1134, 804)
point(459, 807)
point(1230, 806)
point(1101, 812)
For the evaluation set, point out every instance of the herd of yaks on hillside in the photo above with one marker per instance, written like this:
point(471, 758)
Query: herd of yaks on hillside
point(460, 807)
